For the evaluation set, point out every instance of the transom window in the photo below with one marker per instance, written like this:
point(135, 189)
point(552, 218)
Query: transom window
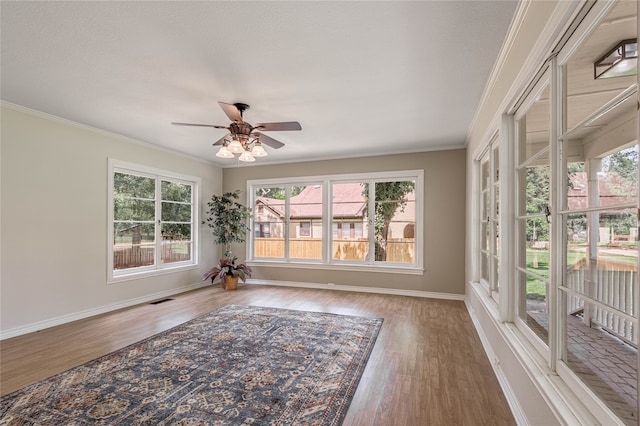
point(152, 220)
point(364, 220)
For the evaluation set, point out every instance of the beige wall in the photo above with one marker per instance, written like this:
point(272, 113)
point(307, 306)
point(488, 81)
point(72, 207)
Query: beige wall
point(54, 219)
point(444, 234)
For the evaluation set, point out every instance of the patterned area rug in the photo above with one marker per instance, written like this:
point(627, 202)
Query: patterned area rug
point(237, 365)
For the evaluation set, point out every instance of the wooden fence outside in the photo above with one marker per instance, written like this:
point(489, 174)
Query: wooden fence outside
point(134, 256)
point(400, 250)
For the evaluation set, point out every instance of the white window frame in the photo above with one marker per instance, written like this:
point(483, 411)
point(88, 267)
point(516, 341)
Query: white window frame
point(326, 263)
point(159, 175)
point(491, 287)
point(544, 83)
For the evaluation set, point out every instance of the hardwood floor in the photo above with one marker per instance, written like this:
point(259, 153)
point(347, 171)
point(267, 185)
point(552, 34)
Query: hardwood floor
point(427, 368)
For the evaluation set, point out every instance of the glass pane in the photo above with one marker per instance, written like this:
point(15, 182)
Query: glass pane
point(534, 311)
point(131, 186)
point(176, 242)
point(269, 222)
point(174, 212)
point(486, 206)
point(537, 234)
point(349, 221)
point(485, 266)
point(495, 285)
point(133, 245)
point(537, 188)
point(485, 236)
point(605, 364)
point(614, 270)
point(576, 260)
point(577, 239)
point(585, 94)
point(305, 226)
point(485, 174)
point(496, 164)
point(172, 191)
point(395, 212)
point(176, 232)
point(496, 196)
point(533, 128)
point(577, 186)
point(616, 176)
point(134, 209)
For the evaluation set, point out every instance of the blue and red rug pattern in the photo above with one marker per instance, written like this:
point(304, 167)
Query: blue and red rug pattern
point(238, 365)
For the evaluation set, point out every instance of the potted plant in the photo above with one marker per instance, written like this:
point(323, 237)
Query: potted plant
point(227, 220)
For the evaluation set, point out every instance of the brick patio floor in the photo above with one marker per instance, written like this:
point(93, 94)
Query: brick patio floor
point(605, 363)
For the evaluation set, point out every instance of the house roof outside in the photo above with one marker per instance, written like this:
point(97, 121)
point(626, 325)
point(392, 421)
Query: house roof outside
point(613, 189)
point(348, 202)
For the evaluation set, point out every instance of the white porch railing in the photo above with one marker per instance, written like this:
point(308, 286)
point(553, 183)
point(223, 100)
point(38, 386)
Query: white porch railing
point(610, 287)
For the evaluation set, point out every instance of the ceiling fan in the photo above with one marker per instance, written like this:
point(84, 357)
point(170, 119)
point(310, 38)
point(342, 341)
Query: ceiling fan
point(245, 138)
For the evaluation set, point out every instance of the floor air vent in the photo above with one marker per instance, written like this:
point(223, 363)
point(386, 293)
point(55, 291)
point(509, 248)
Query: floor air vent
point(157, 302)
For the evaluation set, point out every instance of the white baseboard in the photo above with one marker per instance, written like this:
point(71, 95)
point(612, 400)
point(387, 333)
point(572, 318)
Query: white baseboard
point(516, 410)
point(41, 325)
point(338, 287)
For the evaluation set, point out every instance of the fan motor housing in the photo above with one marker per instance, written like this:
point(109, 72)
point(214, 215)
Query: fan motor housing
point(241, 129)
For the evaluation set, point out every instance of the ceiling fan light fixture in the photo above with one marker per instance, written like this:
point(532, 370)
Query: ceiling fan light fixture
point(241, 139)
point(224, 152)
point(247, 157)
point(621, 60)
point(236, 147)
point(258, 150)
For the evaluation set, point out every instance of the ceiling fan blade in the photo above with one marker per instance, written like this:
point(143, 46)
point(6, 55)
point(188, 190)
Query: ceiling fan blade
point(281, 126)
point(200, 125)
point(267, 140)
point(221, 140)
point(232, 112)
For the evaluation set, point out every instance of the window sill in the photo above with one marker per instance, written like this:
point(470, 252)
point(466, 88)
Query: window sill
point(337, 267)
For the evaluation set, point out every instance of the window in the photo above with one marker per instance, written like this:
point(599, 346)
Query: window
point(489, 218)
point(305, 229)
point(598, 278)
point(533, 212)
point(328, 220)
point(151, 220)
point(263, 230)
point(571, 216)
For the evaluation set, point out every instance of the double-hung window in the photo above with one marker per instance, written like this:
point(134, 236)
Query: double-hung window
point(152, 220)
point(372, 219)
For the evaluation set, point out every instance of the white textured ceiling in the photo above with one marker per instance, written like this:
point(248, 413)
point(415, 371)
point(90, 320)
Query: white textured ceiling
point(361, 77)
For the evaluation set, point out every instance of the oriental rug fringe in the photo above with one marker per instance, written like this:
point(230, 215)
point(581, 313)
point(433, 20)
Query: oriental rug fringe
point(237, 365)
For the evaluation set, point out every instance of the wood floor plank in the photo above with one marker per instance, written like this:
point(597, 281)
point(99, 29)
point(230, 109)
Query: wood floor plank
point(427, 368)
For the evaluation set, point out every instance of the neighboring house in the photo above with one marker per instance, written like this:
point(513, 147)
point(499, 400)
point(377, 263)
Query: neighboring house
point(613, 189)
point(305, 211)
